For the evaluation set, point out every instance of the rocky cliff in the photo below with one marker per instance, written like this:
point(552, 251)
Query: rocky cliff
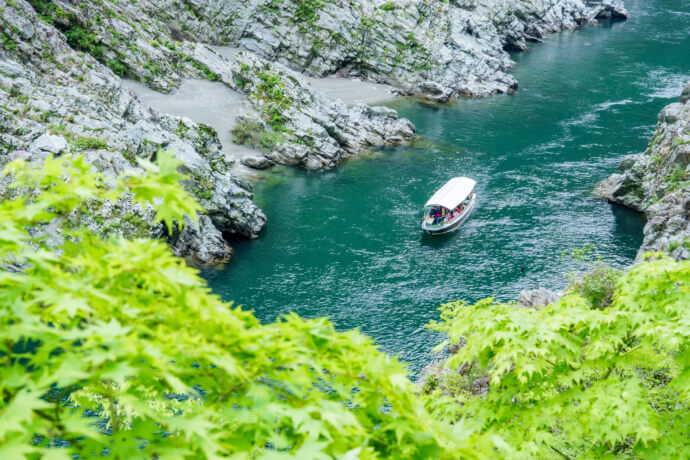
point(430, 48)
point(657, 182)
point(55, 100)
point(427, 48)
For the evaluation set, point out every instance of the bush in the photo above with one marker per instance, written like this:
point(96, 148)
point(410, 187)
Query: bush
point(597, 285)
point(247, 132)
point(388, 6)
point(307, 12)
point(117, 66)
point(86, 142)
point(84, 40)
point(253, 133)
point(269, 139)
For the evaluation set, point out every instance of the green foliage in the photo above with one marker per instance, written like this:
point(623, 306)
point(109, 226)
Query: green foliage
point(388, 6)
point(680, 141)
point(87, 142)
point(269, 139)
point(307, 12)
point(272, 6)
point(241, 82)
point(597, 284)
point(253, 133)
point(7, 42)
point(271, 88)
point(572, 381)
point(118, 65)
point(674, 244)
point(271, 92)
point(247, 132)
point(676, 178)
point(84, 40)
point(51, 13)
point(205, 70)
point(116, 349)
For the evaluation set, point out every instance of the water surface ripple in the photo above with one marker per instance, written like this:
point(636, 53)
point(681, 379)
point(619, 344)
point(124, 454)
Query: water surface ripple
point(346, 243)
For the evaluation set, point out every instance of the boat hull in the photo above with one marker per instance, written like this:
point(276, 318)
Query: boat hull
point(453, 225)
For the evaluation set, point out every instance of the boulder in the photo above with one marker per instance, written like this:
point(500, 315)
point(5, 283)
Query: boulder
point(537, 297)
point(202, 243)
point(685, 95)
point(49, 143)
point(257, 162)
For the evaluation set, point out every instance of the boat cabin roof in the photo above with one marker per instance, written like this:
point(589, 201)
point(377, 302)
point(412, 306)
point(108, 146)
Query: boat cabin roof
point(453, 192)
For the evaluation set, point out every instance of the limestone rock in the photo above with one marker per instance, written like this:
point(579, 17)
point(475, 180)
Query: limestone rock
point(257, 162)
point(429, 48)
point(537, 297)
point(685, 95)
point(49, 143)
point(201, 242)
point(55, 100)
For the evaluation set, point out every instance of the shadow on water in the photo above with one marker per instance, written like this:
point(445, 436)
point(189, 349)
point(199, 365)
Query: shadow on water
point(347, 244)
point(628, 222)
point(439, 241)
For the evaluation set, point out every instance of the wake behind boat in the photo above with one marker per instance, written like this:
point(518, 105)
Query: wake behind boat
point(450, 206)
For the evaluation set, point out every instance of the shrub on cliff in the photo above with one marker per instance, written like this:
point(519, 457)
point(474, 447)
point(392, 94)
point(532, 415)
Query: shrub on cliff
point(115, 348)
point(254, 134)
point(576, 380)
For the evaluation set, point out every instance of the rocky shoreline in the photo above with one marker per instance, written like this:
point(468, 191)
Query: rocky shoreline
point(657, 182)
point(61, 89)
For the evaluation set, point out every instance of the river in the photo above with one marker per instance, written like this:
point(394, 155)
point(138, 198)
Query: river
point(346, 243)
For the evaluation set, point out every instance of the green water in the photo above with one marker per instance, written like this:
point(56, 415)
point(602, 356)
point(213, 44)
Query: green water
point(347, 244)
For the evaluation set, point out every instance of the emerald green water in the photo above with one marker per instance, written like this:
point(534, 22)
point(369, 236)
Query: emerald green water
point(347, 244)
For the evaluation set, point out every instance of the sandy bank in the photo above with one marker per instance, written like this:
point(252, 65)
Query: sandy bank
point(349, 90)
point(352, 91)
point(202, 101)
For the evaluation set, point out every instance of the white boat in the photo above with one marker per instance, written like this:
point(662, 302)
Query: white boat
point(450, 206)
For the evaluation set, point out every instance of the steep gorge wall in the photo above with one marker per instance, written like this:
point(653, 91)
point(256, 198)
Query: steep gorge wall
point(428, 48)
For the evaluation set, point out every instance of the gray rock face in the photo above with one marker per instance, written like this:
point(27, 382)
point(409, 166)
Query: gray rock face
point(428, 48)
point(257, 162)
point(657, 182)
point(537, 297)
point(685, 95)
point(311, 130)
point(71, 103)
point(49, 143)
point(202, 243)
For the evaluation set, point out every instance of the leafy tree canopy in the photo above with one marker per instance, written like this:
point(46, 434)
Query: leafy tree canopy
point(117, 348)
point(578, 378)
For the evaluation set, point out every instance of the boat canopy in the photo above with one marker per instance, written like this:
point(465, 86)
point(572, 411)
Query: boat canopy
point(453, 192)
